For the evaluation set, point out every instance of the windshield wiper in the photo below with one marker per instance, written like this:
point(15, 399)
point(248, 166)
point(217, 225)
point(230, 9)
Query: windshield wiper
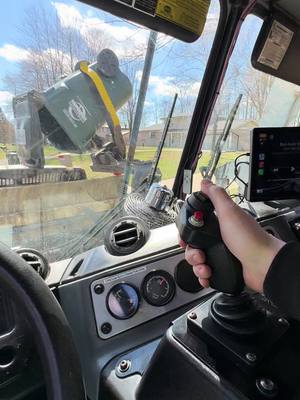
point(79, 244)
point(214, 160)
point(161, 144)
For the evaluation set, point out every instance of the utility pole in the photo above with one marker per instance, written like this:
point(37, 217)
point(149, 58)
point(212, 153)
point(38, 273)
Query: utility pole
point(139, 109)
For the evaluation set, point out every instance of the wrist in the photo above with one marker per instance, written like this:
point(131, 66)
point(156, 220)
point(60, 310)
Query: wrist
point(256, 273)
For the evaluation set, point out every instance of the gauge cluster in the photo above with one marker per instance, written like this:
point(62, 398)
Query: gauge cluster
point(137, 295)
point(158, 288)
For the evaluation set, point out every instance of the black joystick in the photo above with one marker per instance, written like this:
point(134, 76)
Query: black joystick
point(238, 314)
point(198, 227)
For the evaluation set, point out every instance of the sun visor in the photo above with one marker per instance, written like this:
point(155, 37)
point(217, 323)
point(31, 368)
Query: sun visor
point(184, 20)
point(276, 51)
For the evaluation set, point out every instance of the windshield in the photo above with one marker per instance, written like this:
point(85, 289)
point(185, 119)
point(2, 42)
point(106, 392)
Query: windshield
point(63, 168)
point(266, 101)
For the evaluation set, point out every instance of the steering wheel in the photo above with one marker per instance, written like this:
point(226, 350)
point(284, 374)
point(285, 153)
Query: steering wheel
point(50, 328)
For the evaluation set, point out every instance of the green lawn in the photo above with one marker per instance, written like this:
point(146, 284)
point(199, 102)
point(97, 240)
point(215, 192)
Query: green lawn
point(168, 163)
point(170, 159)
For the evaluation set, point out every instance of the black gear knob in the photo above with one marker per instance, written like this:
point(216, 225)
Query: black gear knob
point(198, 227)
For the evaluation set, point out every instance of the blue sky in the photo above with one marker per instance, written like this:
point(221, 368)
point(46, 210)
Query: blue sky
point(168, 64)
point(177, 66)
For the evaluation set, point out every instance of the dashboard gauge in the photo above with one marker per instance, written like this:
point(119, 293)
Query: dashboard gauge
point(122, 301)
point(158, 288)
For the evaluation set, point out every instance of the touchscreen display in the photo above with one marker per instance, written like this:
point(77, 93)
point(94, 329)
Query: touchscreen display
point(274, 164)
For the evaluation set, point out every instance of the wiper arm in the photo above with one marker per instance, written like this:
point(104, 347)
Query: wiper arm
point(79, 243)
point(214, 160)
point(161, 144)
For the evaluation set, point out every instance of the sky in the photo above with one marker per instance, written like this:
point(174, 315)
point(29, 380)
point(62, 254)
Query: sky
point(174, 64)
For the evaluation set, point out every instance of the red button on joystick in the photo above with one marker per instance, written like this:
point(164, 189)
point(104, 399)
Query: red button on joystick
point(198, 215)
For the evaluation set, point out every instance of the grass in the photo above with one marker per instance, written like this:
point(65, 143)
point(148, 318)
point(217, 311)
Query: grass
point(168, 163)
point(170, 159)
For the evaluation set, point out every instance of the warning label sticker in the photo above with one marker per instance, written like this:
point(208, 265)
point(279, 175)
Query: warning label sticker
point(190, 14)
point(276, 45)
point(147, 6)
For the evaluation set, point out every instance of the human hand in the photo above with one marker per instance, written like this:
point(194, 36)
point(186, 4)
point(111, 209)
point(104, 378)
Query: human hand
point(243, 236)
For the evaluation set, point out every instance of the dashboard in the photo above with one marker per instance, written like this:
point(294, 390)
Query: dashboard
point(120, 306)
point(133, 297)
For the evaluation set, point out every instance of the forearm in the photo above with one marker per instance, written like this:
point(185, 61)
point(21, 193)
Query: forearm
point(282, 282)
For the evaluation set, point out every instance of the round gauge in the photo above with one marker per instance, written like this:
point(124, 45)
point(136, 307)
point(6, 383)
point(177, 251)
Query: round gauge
point(122, 301)
point(108, 63)
point(158, 288)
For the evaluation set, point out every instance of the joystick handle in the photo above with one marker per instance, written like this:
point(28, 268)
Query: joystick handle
point(198, 227)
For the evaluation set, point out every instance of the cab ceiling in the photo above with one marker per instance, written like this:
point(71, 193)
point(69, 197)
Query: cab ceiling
point(289, 7)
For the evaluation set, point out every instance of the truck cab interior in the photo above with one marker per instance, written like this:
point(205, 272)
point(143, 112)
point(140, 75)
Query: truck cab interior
point(97, 178)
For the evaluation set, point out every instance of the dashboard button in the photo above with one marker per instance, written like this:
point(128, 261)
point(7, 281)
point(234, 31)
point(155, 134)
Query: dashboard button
point(106, 328)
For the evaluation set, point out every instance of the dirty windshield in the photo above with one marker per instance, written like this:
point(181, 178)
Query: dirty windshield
point(72, 112)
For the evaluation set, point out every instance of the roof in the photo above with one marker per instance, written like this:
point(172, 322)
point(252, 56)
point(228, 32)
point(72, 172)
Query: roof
point(236, 125)
point(184, 122)
point(291, 7)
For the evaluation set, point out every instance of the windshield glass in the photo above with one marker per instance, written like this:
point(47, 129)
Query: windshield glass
point(63, 170)
point(266, 101)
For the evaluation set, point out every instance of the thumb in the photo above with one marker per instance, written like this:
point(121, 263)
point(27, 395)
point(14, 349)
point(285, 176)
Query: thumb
point(218, 196)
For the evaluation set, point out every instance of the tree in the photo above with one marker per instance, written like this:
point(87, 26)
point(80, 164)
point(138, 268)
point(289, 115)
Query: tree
point(53, 50)
point(131, 68)
point(6, 129)
point(257, 86)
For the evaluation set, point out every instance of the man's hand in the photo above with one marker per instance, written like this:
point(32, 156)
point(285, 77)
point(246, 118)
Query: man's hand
point(254, 247)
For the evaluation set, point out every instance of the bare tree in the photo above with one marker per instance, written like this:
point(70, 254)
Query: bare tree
point(131, 67)
point(53, 50)
point(6, 129)
point(257, 86)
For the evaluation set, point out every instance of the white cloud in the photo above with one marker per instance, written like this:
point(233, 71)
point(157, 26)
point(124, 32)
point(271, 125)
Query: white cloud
point(211, 23)
point(6, 103)
point(13, 53)
point(64, 58)
point(164, 39)
point(195, 87)
point(67, 14)
point(5, 98)
point(124, 38)
point(139, 74)
point(163, 86)
point(168, 86)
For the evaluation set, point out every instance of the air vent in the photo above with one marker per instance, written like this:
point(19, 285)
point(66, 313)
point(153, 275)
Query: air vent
point(126, 236)
point(36, 260)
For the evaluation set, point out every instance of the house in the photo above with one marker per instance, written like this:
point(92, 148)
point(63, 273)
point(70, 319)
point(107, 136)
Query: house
point(105, 134)
point(151, 135)
point(239, 138)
